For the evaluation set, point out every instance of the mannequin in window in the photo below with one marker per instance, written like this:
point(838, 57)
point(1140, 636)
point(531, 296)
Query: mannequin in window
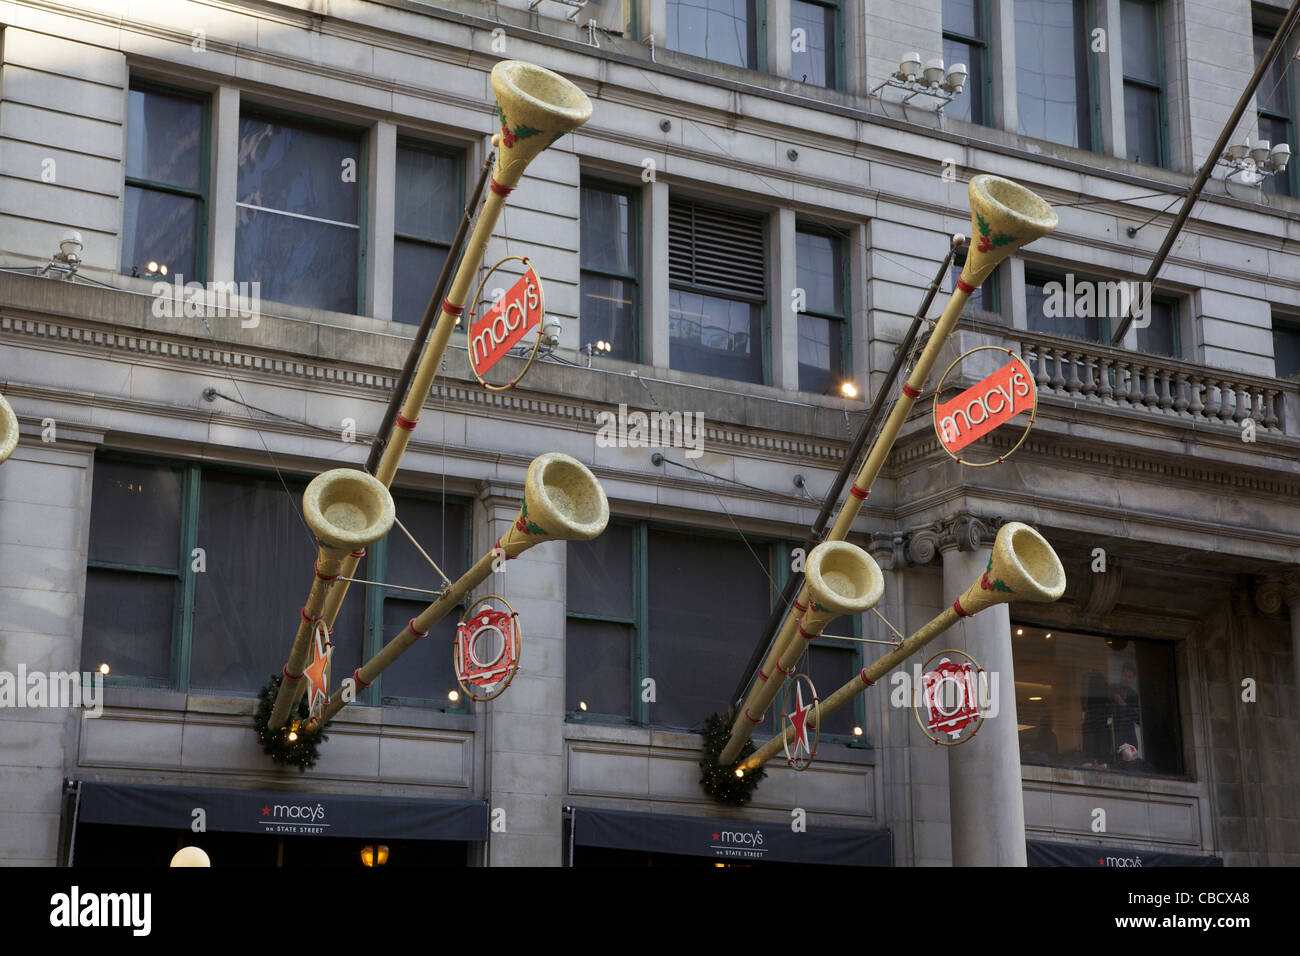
point(1127, 717)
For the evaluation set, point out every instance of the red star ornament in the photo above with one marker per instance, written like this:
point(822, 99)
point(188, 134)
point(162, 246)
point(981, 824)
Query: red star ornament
point(799, 720)
point(317, 690)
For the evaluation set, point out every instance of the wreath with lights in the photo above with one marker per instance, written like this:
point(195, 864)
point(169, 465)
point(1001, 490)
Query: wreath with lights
point(304, 749)
point(721, 783)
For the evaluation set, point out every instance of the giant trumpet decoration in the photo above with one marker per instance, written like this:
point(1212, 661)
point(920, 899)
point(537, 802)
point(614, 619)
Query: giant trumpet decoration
point(1004, 217)
point(535, 108)
point(348, 511)
point(1023, 567)
point(841, 579)
point(563, 501)
point(8, 429)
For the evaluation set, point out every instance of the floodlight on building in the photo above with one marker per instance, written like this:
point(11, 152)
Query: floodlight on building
point(551, 334)
point(848, 390)
point(103, 668)
point(1278, 158)
point(857, 731)
point(68, 259)
point(1259, 152)
point(908, 68)
point(933, 74)
point(955, 81)
point(454, 696)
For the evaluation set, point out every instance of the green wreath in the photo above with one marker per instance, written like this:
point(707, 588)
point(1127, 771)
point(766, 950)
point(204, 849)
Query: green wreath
point(300, 753)
point(721, 783)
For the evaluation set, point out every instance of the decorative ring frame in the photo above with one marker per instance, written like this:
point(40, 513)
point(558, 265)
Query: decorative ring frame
point(805, 763)
point(541, 324)
point(1033, 409)
point(916, 712)
point(513, 665)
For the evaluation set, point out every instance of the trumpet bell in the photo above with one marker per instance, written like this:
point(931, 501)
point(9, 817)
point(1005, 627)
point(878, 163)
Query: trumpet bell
point(1023, 567)
point(536, 107)
point(562, 501)
point(8, 429)
point(842, 578)
point(347, 509)
point(1004, 216)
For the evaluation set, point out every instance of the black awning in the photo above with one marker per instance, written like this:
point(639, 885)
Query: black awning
point(1045, 853)
point(730, 839)
point(284, 812)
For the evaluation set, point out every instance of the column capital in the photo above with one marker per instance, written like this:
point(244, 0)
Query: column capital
point(888, 549)
point(1276, 588)
point(962, 531)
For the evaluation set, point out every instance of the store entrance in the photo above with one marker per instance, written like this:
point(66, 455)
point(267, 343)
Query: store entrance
point(101, 845)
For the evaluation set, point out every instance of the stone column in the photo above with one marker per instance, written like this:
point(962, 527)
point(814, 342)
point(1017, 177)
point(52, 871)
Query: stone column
point(984, 794)
point(1273, 592)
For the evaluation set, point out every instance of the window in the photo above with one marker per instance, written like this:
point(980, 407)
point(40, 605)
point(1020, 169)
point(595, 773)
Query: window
point(1081, 307)
point(1106, 703)
point(156, 621)
point(610, 267)
point(722, 30)
point(1286, 347)
point(965, 32)
point(166, 182)
point(298, 229)
point(986, 295)
point(430, 199)
point(1052, 74)
point(1275, 101)
point(717, 292)
point(642, 602)
point(1144, 97)
point(817, 52)
point(821, 267)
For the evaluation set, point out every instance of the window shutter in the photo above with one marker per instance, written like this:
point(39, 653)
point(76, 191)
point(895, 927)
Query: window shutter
point(716, 250)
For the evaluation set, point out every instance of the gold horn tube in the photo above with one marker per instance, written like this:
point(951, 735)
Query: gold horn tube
point(535, 107)
point(1004, 217)
point(842, 579)
point(1022, 567)
point(8, 429)
point(563, 501)
point(347, 510)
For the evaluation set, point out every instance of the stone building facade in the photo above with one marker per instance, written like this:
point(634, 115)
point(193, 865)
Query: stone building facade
point(1164, 471)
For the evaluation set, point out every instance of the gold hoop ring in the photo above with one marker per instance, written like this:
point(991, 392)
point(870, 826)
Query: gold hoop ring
point(1033, 409)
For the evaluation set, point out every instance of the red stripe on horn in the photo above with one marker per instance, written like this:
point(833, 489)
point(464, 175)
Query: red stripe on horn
point(324, 577)
point(356, 676)
point(761, 674)
point(451, 308)
point(287, 676)
point(303, 615)
point(501, 190)
point(910, 392)
point(411, 627)
point(961, 612)
point(751, 719)
point(858, 493)
point(358, 554)
point(403, 422)
point(804, 634)
point(966, 286)
point(799, 606)
point(865, 679)
point(787, 673)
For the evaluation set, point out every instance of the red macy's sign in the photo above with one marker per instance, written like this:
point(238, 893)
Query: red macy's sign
point(508, 321)
point(980, 409)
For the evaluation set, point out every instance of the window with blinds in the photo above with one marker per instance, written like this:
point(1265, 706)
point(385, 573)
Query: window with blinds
point(717, 274)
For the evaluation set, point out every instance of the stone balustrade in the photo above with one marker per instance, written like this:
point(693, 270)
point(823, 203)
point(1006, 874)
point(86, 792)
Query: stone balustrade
point(1154, 384)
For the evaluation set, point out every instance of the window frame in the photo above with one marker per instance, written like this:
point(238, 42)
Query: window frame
point(846, 329)
point(837, 42)
point(458, 155)
point(1287, 322)
point(985, 21)
point(763, 301)
point(284, 117)
point(1160, 87)
point(1037, 275)
point(1267, 26)
point(184, 601)
point(759, 27)
point(202, 194)
point(633, 195)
